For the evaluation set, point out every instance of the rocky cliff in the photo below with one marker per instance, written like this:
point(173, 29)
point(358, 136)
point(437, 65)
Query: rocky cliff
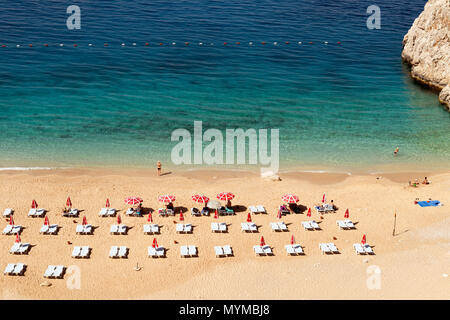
point(426, 48)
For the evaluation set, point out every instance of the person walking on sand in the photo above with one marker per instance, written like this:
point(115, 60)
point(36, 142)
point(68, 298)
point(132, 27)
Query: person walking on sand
point(158, 166)
point(395, 151)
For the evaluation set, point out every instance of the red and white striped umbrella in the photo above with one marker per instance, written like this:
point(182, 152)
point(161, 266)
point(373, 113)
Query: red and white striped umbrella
point(309, 213)
point(200, 198)
point(225, 196)
point(107, 203)
point(363, 241)
point(133, 200)
point(155, 243)
point(46, 222)
point(68, 202)
point(262, 242)
point(290, 198)
point(249, 217)
point(34, 204)
point(150, 218)
point(346, 214)
point(166, 198)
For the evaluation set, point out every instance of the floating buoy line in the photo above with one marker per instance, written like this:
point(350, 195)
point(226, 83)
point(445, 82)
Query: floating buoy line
point(159, 44)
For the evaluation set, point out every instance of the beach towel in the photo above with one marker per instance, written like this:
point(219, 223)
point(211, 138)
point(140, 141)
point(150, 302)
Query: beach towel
point(430, 203)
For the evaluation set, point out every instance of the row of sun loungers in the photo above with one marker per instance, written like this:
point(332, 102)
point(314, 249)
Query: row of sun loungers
point(49, 229)
point(105, 212)
point(257, 209)
point(151, 229)
point(265, 250)
point(166, 212)
point(198, 213)
point(36, 213)
point(310, 225)
point(81, 252)
point(363, 248)
point(15, 269)
point(223, 251)
point(345, 224)
point(328, 248)
point(118, 229)
point(183, 228)
point(72, 213)
point(188, 251)
point(224, 211)
point(159, 252)
point(12, 229)
point(218, 227)
point(54, 271)
point(20, 248)
point(324, 208)
point(118, 252)
point(84, 229)
point(249, 227)
point(278, 226)
point(294, 249)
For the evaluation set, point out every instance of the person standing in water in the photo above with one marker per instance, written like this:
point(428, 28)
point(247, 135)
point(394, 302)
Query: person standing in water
point(158, 166)
point(395, 151)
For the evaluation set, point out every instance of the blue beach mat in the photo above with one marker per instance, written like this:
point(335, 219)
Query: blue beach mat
point(431, 203)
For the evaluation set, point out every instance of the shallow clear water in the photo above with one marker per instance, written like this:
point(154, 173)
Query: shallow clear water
point(338, 106)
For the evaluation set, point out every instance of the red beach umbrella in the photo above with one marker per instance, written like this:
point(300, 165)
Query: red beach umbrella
point(216, 214)
point(309, 213)
point(290, 198)
point(68, 202)
point(46, 222)
point(225, 196)
point(84, 221)
point(34, 204)
point(166, 198)
point(249, 218)
point(107, 203)
point(292, 239)
point(150, 218)
point(119, 220)
point(133, 200)
point(11, 221)
point(18, 238)
point(155, 243)
point(323, 198)
point(262, 243)
point(279, 214)
point(346, 214)
point(181, 216)
point(200, 198)
point(363, 241)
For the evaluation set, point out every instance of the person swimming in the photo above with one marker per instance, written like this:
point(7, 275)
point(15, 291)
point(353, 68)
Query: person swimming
point(396, 151)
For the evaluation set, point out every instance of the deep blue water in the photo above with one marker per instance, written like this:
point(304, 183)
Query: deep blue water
point(338, 106)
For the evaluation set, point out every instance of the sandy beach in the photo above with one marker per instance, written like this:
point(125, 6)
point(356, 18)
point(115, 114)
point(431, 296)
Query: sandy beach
point(413, 264)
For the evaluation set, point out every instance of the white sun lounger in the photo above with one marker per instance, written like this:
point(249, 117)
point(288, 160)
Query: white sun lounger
point(8, 229)
point(111, 212)
point(36, 212)
point(76, 252)
point(359, 248)
point(315, 225)
point(368, 249)
point(283, 226)
point(9, 269)
point(16, 229)
point(245, 227)
point(259, 250)
point(261, 209)
point(152, 252)
point(342, 225)
point(307, 225)
point(7, 213)
point(18, 269)
point(113, 251)
point(103, 212)
point(161, 252)
point(253, 209)
point(252, 227)
point(129, 212)
point(219, 251)
point(179, 228)
point(324, 248)
point(188, 228)
point(44, 229)
point(275, 226)
point(223, 227)
point(24, 248)
point(333, 247)
point(114, 229)
point(151, 228)
point(15, 248)
point(49, 272)
point(79, 229)
point(85, 251)
point(349, 224)
point(123, 252)
point(192, 250)
point(123, 228)
point(294, 249)
point(267, 250)
point(53, 229)
point(227, 250)
point(184, 251)
point(215, 227)
point(58, 272)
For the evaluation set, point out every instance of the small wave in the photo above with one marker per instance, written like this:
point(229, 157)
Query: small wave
point(25, 168)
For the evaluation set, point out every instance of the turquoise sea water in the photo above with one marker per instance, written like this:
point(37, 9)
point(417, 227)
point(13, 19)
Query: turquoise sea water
point(338, 106)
